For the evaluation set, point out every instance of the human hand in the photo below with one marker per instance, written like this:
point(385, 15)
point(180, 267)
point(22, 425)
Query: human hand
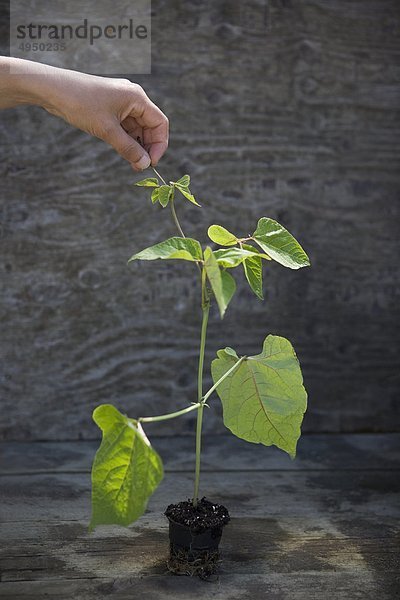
point(114, 110)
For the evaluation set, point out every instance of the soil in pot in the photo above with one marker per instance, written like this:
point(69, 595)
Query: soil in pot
point(194, 534)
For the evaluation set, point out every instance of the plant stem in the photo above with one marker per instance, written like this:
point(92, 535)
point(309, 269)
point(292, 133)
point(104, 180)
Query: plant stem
point(205, 305)
point(206, 310)
point(173, 211)
point(224, 376)
point(175, 217)
point(167, 416)
point(158, 175)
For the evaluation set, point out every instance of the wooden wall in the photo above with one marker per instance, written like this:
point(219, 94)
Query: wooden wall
point(282, 108)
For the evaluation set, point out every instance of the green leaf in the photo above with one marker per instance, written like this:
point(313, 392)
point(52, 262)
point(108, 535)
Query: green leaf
point(231, 352)
point(175, 247)
point(126, 470)
point(149, 182)
point(155, 195)
point(185, 192)
point(184, 181)
point(232, 257)
point(264, 398)
point(221, 236)
point(253, 271)
point(166, 193)
point(280, 244)
point(228, 288)
point(223, 285)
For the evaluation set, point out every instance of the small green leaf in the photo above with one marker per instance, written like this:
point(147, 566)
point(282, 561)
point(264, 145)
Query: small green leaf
point(175, 247)
point(231, 352)
point(149, 182)
point(126, 470)
point(253, 271)
point(264, 399)
point(221, 236)
point(184, 181)
point(155, 195)
point(223, 285)
point(166, 193)
point(185, 192)
point(228, 288)
point(276, 241)
point(232, 257)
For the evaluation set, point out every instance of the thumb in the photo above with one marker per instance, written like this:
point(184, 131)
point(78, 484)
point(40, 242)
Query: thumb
point(127, 147)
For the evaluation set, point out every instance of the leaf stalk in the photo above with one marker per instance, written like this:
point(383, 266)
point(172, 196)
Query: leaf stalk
point(167, 416)
point(221, 379)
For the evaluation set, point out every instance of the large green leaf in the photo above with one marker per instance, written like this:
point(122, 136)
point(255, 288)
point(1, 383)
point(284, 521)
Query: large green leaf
point(276, 241)
point(221, 236)
point(232, 257)
point(223, 285)
point(126, 470)
point(264, 398)
point(175, 247)
point(253, 271)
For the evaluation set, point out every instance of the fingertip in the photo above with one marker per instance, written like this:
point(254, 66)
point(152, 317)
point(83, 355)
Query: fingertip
point(157, 151)
point(143, 163)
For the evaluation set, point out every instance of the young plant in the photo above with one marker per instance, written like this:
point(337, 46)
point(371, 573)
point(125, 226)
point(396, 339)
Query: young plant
point(263, 396)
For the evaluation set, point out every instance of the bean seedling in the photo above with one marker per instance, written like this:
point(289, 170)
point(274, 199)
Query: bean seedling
point(263, 396)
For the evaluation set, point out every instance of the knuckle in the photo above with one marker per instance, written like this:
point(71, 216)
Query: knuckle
point(130, 87)
point(135, 87)
point(139, 88)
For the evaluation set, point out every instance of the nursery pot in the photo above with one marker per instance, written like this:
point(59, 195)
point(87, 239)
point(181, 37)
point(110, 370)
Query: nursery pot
point(182, 537)
point(194, 546)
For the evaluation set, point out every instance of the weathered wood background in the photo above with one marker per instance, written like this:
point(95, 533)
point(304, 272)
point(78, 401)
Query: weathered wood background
point(323, 526)
point(287, 109)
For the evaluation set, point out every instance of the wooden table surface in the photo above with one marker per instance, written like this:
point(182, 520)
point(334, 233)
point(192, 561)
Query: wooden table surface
point(323, 526)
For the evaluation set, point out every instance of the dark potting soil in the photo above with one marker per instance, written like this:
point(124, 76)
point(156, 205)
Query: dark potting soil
point(206, 515)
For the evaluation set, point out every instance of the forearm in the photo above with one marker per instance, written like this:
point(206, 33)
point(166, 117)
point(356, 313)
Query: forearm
point(114, 110)
point(26, 82)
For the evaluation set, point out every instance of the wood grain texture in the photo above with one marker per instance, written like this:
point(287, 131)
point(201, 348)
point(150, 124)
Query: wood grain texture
point(283, 109)
point(316, 452)
point(296, 533)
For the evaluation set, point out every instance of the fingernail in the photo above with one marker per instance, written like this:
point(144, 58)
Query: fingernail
point(143, 163)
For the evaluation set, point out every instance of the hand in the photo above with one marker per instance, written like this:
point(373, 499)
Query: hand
point(114, 110)
point(117, 111)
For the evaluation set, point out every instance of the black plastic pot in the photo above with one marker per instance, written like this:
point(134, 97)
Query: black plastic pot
point(183, 538)
point(193, 553)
